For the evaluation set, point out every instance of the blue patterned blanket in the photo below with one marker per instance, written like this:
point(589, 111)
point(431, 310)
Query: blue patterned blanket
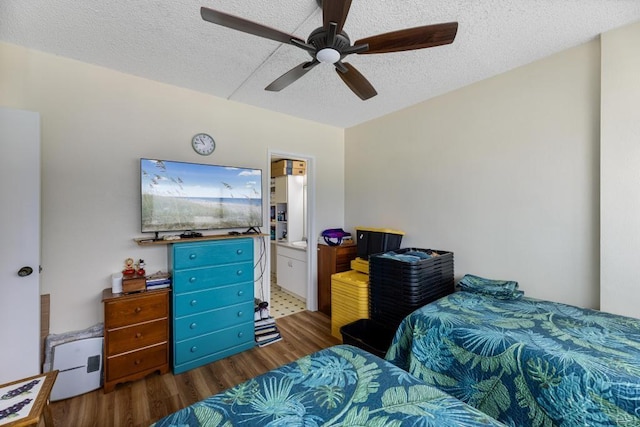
point(338, 386)
point(526, 362)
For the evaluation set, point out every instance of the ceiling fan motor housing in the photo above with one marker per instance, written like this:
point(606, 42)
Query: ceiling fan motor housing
point(318, 39)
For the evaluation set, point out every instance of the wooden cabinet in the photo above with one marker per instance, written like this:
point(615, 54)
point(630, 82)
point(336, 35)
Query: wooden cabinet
point(136, 335)
point(331, 260)
point(212, 301)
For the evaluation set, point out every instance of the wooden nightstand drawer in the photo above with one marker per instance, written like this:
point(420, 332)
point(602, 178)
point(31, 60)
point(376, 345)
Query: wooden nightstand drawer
point(137, 336)
point(137, 361)
point(129, 310)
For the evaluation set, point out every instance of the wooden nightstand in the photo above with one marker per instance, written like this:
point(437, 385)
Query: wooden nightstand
point(136, 335)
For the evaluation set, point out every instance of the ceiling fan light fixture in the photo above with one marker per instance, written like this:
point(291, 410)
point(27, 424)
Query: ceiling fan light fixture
point(328, 55)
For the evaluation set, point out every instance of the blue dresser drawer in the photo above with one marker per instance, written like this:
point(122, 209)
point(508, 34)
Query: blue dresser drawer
point(192, 255)
point(217, 299)
point(210, 277)
point(209, 344)
point(213, 320)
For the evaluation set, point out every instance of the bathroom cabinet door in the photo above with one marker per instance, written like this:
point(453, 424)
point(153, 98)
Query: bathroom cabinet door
point(292, 271)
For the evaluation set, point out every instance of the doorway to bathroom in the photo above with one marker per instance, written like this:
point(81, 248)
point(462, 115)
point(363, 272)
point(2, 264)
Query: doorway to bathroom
point(291, 260)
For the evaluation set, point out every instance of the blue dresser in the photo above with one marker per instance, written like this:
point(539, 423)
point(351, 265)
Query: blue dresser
point(212, 300)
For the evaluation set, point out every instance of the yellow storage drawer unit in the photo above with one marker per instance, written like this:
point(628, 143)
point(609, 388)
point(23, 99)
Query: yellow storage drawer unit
point(349, 299)
point(361, 265)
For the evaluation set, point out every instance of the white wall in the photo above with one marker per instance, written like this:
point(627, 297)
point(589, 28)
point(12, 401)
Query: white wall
point(504, 173)
point(96, 124)
point(620, 164)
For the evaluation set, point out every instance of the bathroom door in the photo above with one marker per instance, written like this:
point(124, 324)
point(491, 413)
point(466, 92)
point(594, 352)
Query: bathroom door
point(20, 248)
point(307, 219)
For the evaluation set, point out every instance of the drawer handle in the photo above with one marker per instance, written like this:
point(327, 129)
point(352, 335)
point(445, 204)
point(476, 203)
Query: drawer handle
point(193, 302)
point(192, 279)
point(138, 335)
point(193, 325)
point(138, 310)
point(239, 272)
point(239, 251)
point(290, 263)
point(193, 256)
point(193, 349)
point(240, 314)
point(240, 334)
point(137, 362)
point(240, 293)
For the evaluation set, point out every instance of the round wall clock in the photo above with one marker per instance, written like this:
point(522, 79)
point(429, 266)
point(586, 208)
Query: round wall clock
point(203, 144)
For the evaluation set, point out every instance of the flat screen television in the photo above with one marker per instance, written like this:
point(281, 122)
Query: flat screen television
point(180, 196)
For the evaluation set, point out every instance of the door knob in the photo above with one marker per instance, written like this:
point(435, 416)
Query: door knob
point(25, 271)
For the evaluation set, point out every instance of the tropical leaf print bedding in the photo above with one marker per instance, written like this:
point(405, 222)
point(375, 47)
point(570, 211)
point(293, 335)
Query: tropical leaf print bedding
point(338, 386)
point(526, 362)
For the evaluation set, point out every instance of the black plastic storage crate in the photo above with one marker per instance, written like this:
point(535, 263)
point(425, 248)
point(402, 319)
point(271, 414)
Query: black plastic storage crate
point(376, 240)
point(405, 297)
point(398, 287)
point(413, 269)
point(409, 273)
point(368, 335)
point(392, 314)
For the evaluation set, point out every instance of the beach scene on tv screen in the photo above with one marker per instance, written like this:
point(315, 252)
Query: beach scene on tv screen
point(179, 196)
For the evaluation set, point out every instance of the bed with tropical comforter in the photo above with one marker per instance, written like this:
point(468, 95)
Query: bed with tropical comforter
point(526, 362)
point(338, 386)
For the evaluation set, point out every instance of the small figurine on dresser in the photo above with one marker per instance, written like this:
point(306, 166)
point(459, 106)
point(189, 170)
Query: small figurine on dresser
point(141, 266)
point(129, 267)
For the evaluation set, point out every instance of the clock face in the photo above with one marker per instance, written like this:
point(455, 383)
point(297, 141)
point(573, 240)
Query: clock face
point(203, 144)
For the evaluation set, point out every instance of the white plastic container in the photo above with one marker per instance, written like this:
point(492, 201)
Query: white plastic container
point(116, 283)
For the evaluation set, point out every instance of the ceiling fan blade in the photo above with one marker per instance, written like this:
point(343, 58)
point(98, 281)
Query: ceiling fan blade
point(291, 76)
point(411, 38)
point(335, 11)
point(246, 26)
point(356, 82)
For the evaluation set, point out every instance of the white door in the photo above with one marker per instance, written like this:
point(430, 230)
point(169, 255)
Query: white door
point(19, 244)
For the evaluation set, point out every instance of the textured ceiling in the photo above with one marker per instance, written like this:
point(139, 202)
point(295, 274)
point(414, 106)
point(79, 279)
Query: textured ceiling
point(168, 41)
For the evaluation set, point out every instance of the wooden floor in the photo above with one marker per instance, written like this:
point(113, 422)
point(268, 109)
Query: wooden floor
point(142, 402)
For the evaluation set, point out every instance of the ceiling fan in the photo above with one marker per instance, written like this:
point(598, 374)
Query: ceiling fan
point(329, 44)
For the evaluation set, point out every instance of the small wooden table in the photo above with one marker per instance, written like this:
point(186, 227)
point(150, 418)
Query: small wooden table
point(40, 407)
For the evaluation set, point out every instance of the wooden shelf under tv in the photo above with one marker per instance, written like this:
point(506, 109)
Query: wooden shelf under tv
point(145, 241)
